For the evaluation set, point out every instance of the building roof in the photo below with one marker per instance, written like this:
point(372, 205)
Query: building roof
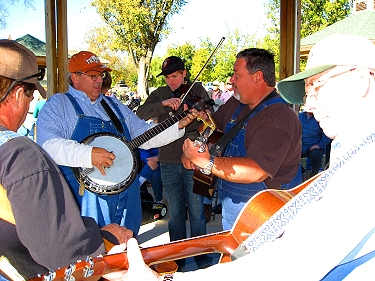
point(35, 45)
point(362, 23)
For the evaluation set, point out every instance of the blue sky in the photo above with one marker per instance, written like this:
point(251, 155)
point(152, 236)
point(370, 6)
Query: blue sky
point(198, 19)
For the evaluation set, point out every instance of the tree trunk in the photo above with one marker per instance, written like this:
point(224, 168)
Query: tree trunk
point(143, 73)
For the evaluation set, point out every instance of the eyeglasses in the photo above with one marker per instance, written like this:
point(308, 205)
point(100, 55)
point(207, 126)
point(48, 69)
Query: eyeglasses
point(93, 77)
point(27, 89)
point(313, 88)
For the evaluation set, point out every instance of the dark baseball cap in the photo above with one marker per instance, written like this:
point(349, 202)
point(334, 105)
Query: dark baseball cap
point(170, 65)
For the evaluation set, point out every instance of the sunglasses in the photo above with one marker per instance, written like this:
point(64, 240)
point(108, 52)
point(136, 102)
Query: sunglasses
point(39, 75)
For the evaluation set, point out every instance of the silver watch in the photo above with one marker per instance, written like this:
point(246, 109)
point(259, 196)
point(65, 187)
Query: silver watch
point(208, 168)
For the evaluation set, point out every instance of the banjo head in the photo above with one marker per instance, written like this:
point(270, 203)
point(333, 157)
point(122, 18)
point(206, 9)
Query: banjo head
point(119, 176)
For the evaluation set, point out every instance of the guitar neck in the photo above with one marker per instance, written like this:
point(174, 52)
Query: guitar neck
point(221, 242)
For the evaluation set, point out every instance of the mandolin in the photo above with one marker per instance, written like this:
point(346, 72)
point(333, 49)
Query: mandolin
point(265, 209)
point(205, 137)
point(205, 184)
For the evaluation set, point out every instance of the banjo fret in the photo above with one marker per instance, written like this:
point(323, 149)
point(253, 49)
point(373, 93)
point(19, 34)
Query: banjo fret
point(149, 134)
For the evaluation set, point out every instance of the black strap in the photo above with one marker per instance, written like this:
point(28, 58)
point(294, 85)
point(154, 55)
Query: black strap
point(228, 136)
point(112, 116)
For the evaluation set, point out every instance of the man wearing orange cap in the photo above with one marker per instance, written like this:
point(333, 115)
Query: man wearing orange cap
point(66, 120)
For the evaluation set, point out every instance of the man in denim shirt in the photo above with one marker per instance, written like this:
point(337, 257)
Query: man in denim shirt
point(314, 141)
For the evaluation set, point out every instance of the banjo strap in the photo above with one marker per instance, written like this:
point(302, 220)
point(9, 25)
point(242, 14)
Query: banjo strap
point(112, 116)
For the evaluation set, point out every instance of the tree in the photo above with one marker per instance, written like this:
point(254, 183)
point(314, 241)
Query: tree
point(226, 55)
point(100, 40)
point(138, 27)
point(219, 67)
point(29, 4)
point(315, 15)
point(318, 14)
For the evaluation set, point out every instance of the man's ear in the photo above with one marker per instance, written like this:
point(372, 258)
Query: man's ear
point(74, 77)
point(258, 77)
point(16, 95)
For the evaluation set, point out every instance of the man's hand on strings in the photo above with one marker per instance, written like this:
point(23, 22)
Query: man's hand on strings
point(102, 159)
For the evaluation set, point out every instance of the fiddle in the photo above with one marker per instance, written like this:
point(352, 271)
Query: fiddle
point(183, 92)
point(189, 99)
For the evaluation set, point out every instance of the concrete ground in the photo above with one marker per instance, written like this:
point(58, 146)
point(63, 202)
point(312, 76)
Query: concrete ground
point(156, 233)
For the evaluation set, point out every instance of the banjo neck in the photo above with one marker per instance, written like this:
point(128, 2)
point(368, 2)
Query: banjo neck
point(152, 132)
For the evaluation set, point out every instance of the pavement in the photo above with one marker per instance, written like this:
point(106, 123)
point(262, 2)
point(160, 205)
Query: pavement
point(156, 233)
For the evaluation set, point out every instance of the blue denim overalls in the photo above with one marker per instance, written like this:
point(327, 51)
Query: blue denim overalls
point(234, 196)
point(123, 208)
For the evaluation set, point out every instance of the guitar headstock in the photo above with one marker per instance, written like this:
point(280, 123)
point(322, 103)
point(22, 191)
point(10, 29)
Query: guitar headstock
point(91, 269)
point(208, 127)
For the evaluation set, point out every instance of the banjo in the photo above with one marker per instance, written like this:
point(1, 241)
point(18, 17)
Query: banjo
point(124, 170)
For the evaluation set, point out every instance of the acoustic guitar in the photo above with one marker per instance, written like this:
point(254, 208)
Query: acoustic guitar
point(265, 207)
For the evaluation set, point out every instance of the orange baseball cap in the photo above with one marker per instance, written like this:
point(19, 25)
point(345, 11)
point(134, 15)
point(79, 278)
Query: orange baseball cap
point(85, 61)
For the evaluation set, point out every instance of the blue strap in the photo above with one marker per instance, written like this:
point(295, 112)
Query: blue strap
point(348, 264)
point(75, 104)
point(6, 136)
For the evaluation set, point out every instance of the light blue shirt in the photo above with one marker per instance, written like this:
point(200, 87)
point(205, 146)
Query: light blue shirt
point(57, 121)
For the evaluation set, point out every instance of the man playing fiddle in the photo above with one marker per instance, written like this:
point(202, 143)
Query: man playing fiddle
point(177, 181)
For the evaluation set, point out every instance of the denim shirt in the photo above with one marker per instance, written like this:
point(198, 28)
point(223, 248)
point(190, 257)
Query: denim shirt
point(312, 133)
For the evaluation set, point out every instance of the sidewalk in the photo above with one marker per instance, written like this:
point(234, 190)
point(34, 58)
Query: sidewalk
point(156, 233)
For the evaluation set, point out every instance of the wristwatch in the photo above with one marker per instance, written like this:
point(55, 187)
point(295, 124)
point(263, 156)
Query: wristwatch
point(208, 168)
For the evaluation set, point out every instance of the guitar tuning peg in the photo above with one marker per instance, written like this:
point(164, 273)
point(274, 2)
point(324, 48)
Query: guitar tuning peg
point(88, 270)
point(49, 276)
point(69, 272)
